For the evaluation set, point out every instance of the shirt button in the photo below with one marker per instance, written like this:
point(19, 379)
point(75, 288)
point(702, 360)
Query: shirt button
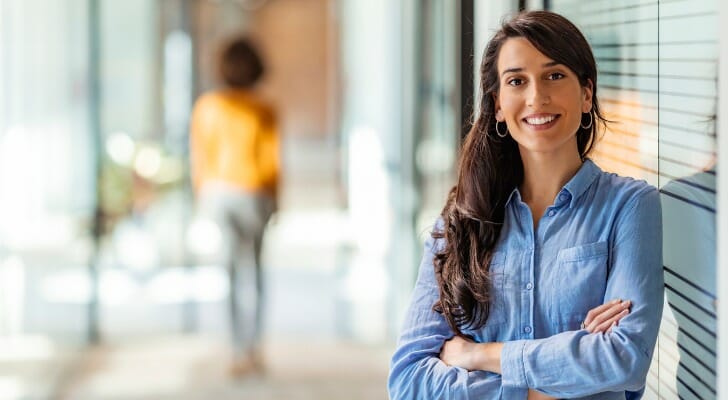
point(529, 286)
point(552, 213)
point(562, 197)
point(527, 329)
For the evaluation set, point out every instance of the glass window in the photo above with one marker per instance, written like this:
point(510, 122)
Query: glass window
point(657, 66)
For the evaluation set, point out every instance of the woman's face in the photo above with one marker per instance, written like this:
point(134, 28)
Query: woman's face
point(540, 100)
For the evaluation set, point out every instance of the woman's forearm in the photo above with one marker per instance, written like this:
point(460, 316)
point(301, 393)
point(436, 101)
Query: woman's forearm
point(489, 357)
point(467, 354)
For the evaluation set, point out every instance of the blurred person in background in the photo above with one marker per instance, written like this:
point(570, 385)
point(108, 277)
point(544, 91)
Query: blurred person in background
point(234, 148)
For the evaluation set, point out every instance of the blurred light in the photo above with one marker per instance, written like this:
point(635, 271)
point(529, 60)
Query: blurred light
point(120, 148)
point(12, 282)
point(74, 287)
point(371, 216)
point(68, 287)
point(434, 156)
point(178, 285)
point(135, 247)
point(368, 193)
point(169, 287)
point(365, 286)
point(16, 194)
point(148, 161)
point(204, 237)
point(312, 228)
point(209, 285)
point(11, 387)
point(26, 348)
point(171, 170)
point(366, 281)
point(117, 288)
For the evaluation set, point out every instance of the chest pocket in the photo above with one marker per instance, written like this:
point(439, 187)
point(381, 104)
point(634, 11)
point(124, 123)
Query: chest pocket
point(498, 310)
point(583, 280)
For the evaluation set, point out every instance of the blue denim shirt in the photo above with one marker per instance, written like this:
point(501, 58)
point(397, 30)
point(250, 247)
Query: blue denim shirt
point(600, 240)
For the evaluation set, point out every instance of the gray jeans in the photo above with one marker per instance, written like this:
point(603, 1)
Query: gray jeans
point(241, 218)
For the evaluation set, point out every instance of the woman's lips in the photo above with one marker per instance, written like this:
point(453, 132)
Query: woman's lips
point(541, 121)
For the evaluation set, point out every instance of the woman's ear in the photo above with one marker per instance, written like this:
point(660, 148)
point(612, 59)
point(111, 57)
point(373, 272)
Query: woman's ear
point(499, 116)
point(587, 93)
point(497, 109)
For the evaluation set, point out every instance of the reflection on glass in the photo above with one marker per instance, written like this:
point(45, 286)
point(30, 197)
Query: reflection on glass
point(657, 65)
point(689, 329)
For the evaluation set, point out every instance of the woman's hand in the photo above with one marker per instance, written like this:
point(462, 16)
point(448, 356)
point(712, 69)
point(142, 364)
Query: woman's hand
point(467, 354)
point(459, 352)
point(603, 318)
point(534, 395)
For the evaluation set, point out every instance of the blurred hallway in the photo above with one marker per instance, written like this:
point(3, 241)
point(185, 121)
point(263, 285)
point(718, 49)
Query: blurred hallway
point(311, 349)
point(306, 353)
point(109, 287)
point(194, 368)
point(100, 240)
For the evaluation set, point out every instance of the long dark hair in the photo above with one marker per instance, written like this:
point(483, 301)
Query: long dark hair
point(490, 167)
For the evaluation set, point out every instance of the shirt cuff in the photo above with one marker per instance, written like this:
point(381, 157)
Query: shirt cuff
point(512, 369)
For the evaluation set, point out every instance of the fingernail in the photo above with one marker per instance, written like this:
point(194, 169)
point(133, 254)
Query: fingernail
point(615, 301)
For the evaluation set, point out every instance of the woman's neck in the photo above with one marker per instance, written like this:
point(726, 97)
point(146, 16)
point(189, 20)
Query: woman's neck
point(545, 174)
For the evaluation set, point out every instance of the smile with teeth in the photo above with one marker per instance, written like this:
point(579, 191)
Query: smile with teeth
point(541, 120)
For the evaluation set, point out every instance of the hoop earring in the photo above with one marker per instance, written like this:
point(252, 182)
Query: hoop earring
point(498, 130)
point(591, 121)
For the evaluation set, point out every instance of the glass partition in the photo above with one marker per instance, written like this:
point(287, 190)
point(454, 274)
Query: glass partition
point(657, 66)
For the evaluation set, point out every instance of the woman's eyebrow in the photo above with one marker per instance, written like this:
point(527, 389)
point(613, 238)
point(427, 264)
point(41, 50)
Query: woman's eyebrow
point(519, 69)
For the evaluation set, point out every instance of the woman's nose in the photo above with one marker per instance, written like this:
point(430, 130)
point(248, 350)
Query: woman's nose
point(538, 95)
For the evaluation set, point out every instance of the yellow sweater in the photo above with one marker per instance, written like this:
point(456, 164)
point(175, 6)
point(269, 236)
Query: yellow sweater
point(234, 140)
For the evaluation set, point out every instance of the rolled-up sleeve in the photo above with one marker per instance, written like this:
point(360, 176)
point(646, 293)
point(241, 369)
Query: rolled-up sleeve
point(577, 363)
point(416, 370)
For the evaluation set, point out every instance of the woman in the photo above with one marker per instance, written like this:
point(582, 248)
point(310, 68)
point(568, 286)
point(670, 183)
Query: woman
point(533, 238)
point(235, 174)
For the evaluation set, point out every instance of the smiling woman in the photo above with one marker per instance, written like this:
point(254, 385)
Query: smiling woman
point(543, 276)
point(541, 101)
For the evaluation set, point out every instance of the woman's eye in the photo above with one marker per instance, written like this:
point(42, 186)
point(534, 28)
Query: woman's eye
point(556, 75)
point(515, 82)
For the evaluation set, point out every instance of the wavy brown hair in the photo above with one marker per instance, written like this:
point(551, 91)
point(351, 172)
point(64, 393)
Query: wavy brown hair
point(490, 167)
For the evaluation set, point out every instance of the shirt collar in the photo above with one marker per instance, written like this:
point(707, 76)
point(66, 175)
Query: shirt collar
point(576, 186)
point(580, 182)
point(514, 196)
